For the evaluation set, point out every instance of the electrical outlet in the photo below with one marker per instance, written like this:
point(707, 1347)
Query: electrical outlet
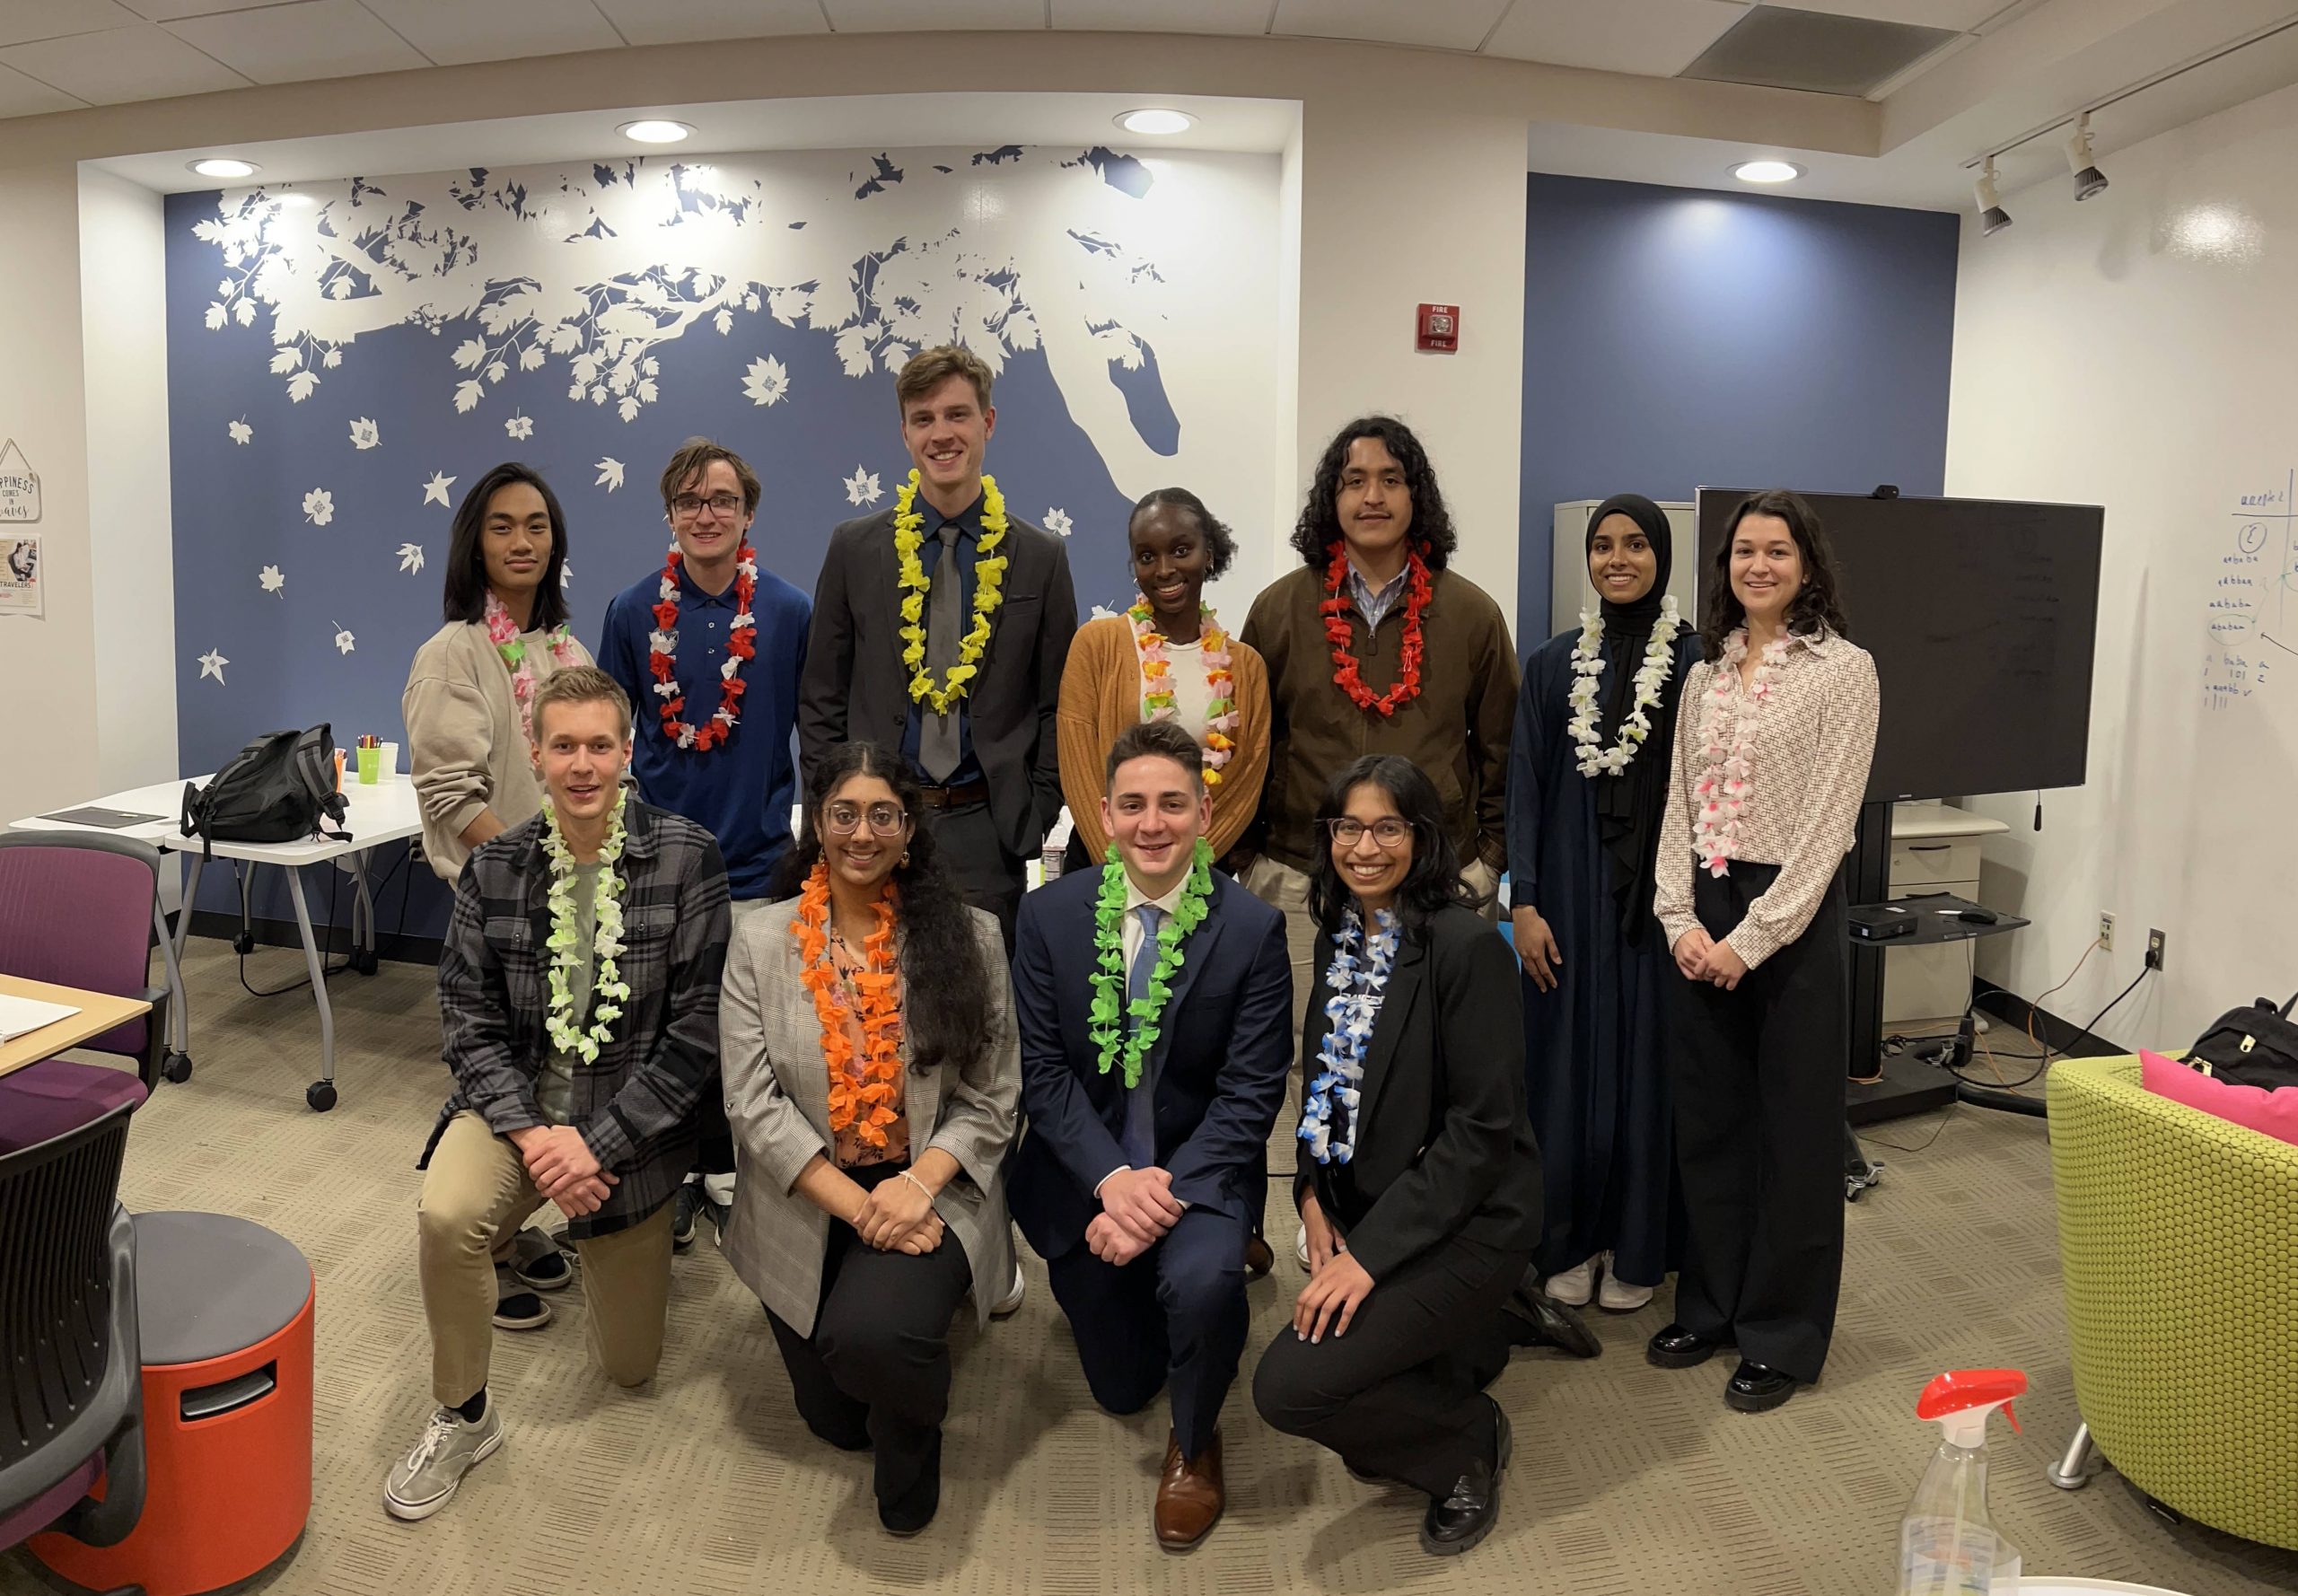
point(2155, 941)
point(2106, 931)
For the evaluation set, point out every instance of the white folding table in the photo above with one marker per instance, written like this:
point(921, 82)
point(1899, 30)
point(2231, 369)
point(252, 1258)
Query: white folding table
point(385, 811)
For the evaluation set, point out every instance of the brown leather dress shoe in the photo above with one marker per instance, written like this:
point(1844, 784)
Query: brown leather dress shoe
point(1190, 1495)
point(1258, 1258)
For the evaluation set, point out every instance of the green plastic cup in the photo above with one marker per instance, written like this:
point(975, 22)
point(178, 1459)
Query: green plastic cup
point(371, 766)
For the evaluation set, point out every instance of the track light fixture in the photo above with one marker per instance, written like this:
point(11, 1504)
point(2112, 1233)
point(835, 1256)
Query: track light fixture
point(1992, 217)
point(2088, 179)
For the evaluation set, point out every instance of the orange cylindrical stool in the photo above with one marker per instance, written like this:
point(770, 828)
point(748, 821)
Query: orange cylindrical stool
point(223, 1307)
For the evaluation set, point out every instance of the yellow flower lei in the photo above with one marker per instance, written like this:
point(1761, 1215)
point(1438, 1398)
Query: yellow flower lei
point(989, 573)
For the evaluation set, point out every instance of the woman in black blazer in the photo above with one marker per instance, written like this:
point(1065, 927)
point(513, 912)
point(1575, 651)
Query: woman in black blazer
point(1418, 1182)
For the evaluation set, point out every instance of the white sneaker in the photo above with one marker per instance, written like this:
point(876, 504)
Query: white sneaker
point(1301, 1247)
point(421, 1483)
point(1010, 1303)
point(1618, 1295)
point(1575, 1285)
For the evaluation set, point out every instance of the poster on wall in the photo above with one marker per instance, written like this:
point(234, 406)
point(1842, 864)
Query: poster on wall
point(19, 486)
point(19, 575)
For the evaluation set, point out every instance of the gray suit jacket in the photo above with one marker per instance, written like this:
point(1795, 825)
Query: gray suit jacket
point(777, 1105)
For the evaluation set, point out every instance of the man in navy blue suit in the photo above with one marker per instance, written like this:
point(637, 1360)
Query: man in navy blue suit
point(1154, 997)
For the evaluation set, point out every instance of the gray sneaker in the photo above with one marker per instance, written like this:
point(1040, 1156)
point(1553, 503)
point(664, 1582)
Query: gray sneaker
point(538, 1262)
point(421, 1483)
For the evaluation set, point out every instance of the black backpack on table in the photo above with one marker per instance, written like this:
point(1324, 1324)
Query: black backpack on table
point(276, 789)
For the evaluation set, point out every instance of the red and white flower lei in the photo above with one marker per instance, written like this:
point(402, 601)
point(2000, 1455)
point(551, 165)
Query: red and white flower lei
point(1157, 701)
point(1728, 749)
point(741, 643)
point(503, 633)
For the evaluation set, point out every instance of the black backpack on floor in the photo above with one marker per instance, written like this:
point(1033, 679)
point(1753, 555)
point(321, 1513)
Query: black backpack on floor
point(276, 789)
point(2253, 1046)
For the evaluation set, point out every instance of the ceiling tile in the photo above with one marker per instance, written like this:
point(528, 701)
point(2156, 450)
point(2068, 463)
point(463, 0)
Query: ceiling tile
point(1958, 16)
point(923, 16)
point(690, 21)
point(21, 96)
point(1652, 38)
point(1439, 24)
point(144, 62)
point(454, 31)
point(22, 21)
point(175, 11)
point(286, 44)
point(1167, 17)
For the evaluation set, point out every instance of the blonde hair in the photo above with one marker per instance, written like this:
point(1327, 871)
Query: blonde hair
point(580, 684)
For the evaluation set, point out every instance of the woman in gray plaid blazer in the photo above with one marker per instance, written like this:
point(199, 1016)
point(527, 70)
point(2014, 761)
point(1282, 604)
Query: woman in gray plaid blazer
point(869, 1200)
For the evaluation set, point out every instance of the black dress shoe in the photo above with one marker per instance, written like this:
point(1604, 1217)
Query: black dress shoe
point(1456, 1522)
point(1758, 1388)
point(1537, 1320)
point(1677, 1347)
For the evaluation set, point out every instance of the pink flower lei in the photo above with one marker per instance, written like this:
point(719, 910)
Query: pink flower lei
point(1728, 750)
point(1157, 701)
point(503, 633)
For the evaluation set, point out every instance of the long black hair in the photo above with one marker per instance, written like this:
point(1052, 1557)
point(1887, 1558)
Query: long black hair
point(466, 594)
point(1816, 604)
point(1220, 542)
point(1433, 879)
point(945, 982)
point(1319, 528)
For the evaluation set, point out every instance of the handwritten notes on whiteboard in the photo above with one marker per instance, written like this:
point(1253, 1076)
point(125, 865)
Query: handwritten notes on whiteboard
point(2253, 624)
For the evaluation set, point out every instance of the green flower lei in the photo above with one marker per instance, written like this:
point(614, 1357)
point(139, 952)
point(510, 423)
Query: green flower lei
point(608, 987)
point(1120, 1048)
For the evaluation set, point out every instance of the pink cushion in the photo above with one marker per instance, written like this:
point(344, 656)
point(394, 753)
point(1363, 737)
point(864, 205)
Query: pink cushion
point(2274, 1112)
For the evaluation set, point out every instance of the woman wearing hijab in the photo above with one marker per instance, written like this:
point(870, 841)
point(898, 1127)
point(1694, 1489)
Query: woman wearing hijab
point(1587, 785)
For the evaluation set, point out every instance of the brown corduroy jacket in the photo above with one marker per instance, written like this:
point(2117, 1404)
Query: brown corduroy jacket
point(1456, 729)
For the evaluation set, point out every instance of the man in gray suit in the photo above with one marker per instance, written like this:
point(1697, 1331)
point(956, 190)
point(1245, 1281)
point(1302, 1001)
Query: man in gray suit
point(963, 676)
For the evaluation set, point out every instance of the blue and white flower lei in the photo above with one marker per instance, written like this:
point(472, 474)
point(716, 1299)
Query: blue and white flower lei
point(1355, 1004)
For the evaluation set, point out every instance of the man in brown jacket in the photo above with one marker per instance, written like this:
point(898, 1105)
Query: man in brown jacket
point(1374, 647)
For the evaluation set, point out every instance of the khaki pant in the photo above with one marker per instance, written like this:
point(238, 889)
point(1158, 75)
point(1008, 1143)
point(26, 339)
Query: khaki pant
point(1285, 888)
point(476, 1195)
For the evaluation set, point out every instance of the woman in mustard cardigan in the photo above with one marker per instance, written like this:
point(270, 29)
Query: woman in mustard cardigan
point(1167, 658)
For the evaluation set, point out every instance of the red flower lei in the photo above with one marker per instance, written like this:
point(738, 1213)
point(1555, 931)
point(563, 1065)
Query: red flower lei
point(860, 1100)
point(741, 643)
point(1337, 608)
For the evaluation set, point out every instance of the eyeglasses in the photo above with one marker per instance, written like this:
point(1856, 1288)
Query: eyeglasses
point(843, 820)
point(689, 505)
point(1391, 833)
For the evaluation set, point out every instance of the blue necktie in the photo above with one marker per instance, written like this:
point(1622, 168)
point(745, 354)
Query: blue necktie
point(1139, 1143)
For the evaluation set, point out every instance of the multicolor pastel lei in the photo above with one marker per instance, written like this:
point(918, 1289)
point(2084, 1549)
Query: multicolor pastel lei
point(1157, 701)
point(503, 633)
point(1356, 988)
point(1728, 749)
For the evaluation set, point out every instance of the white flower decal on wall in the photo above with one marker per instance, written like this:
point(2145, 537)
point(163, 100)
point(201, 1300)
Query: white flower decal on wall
point(1057, 522)
point(241, 431)
point(610, 475)
point(520, 427)
point(862, 488)
point(271, 579)
point(365, 434)
point(319, 506)
point(434, 492)
point(212, 664)
point(767, 381)
point(410, 558)
point(344, 641)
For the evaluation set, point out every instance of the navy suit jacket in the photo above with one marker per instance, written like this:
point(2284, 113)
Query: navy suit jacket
point(1224, 1048)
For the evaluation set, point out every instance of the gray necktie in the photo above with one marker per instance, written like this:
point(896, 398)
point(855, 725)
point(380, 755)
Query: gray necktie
point(945, 623)
point(1140, 1141)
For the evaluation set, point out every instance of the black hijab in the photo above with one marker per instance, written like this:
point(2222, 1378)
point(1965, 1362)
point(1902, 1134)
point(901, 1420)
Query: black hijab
point(1628, 804)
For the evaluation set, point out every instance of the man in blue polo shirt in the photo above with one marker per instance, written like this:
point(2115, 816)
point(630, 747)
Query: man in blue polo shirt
point(710, 649)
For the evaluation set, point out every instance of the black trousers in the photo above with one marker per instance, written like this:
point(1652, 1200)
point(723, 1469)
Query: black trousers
point(1174, 1316)
point(1401, 1394)
point(1758, 1075)
point(876, 1371)
point(987, 876)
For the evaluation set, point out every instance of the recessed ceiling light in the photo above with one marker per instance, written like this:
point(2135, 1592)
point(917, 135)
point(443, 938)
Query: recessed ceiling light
point(654, 132)
point(221, 166)
point(1766, 171)
point(295, 201)
point(1155, 119)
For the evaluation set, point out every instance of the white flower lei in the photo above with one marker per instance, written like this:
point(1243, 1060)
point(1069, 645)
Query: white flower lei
point(608, 987)
point(1351, 1010)
point(1588, 666)
point(1727, 751)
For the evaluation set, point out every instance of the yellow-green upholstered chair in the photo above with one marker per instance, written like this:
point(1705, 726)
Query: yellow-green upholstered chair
point(2178, 1237)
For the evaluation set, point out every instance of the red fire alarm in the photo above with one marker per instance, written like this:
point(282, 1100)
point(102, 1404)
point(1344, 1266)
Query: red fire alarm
point(1440, 328)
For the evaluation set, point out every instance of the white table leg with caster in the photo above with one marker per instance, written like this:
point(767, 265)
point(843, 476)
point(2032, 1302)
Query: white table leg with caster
point(321, 1093)
point(179, 1063)
point(363, 918)
point(175, 1062)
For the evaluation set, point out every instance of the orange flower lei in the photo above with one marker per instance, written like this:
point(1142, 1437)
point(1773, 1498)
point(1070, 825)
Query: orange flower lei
point(860, 1100)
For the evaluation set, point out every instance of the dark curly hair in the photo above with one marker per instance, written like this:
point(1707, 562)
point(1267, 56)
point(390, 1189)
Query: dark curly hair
point(1220, 542)
point(1319, 528)
point(1433, 879)
point(1816, 604)
point(946, 983)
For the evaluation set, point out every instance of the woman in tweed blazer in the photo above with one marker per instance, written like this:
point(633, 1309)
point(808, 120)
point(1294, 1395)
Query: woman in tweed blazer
point(861, 1230)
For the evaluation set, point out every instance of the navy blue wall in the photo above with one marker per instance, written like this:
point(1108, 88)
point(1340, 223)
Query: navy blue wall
point(1675, 337)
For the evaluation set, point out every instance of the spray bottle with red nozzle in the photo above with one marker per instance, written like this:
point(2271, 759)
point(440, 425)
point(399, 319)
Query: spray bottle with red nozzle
point(1948, 1545)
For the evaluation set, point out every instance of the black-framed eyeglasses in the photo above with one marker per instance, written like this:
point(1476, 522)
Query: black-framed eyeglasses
point(688, 505)
point(1388, 832)
point(885, 819)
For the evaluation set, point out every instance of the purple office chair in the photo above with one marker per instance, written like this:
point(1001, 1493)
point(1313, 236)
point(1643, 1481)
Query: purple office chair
point(77, 910)
point(71, 1385)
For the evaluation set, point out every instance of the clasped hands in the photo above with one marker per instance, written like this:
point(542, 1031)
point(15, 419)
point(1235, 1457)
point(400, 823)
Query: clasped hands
point(1137, 1208)
point(1701, 958)
point(899, 1215)
point(1338, 1283)
point(560, 1163)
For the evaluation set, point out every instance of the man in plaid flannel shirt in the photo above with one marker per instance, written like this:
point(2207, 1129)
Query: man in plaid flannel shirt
point(609, 1138)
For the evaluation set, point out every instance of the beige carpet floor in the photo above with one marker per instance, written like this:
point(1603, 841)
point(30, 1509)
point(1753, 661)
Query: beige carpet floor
point(1627, 1478)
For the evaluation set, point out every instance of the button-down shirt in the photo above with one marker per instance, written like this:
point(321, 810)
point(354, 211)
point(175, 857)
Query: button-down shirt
point(1371, 602)
point(967, 549)
point(1135, 935)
